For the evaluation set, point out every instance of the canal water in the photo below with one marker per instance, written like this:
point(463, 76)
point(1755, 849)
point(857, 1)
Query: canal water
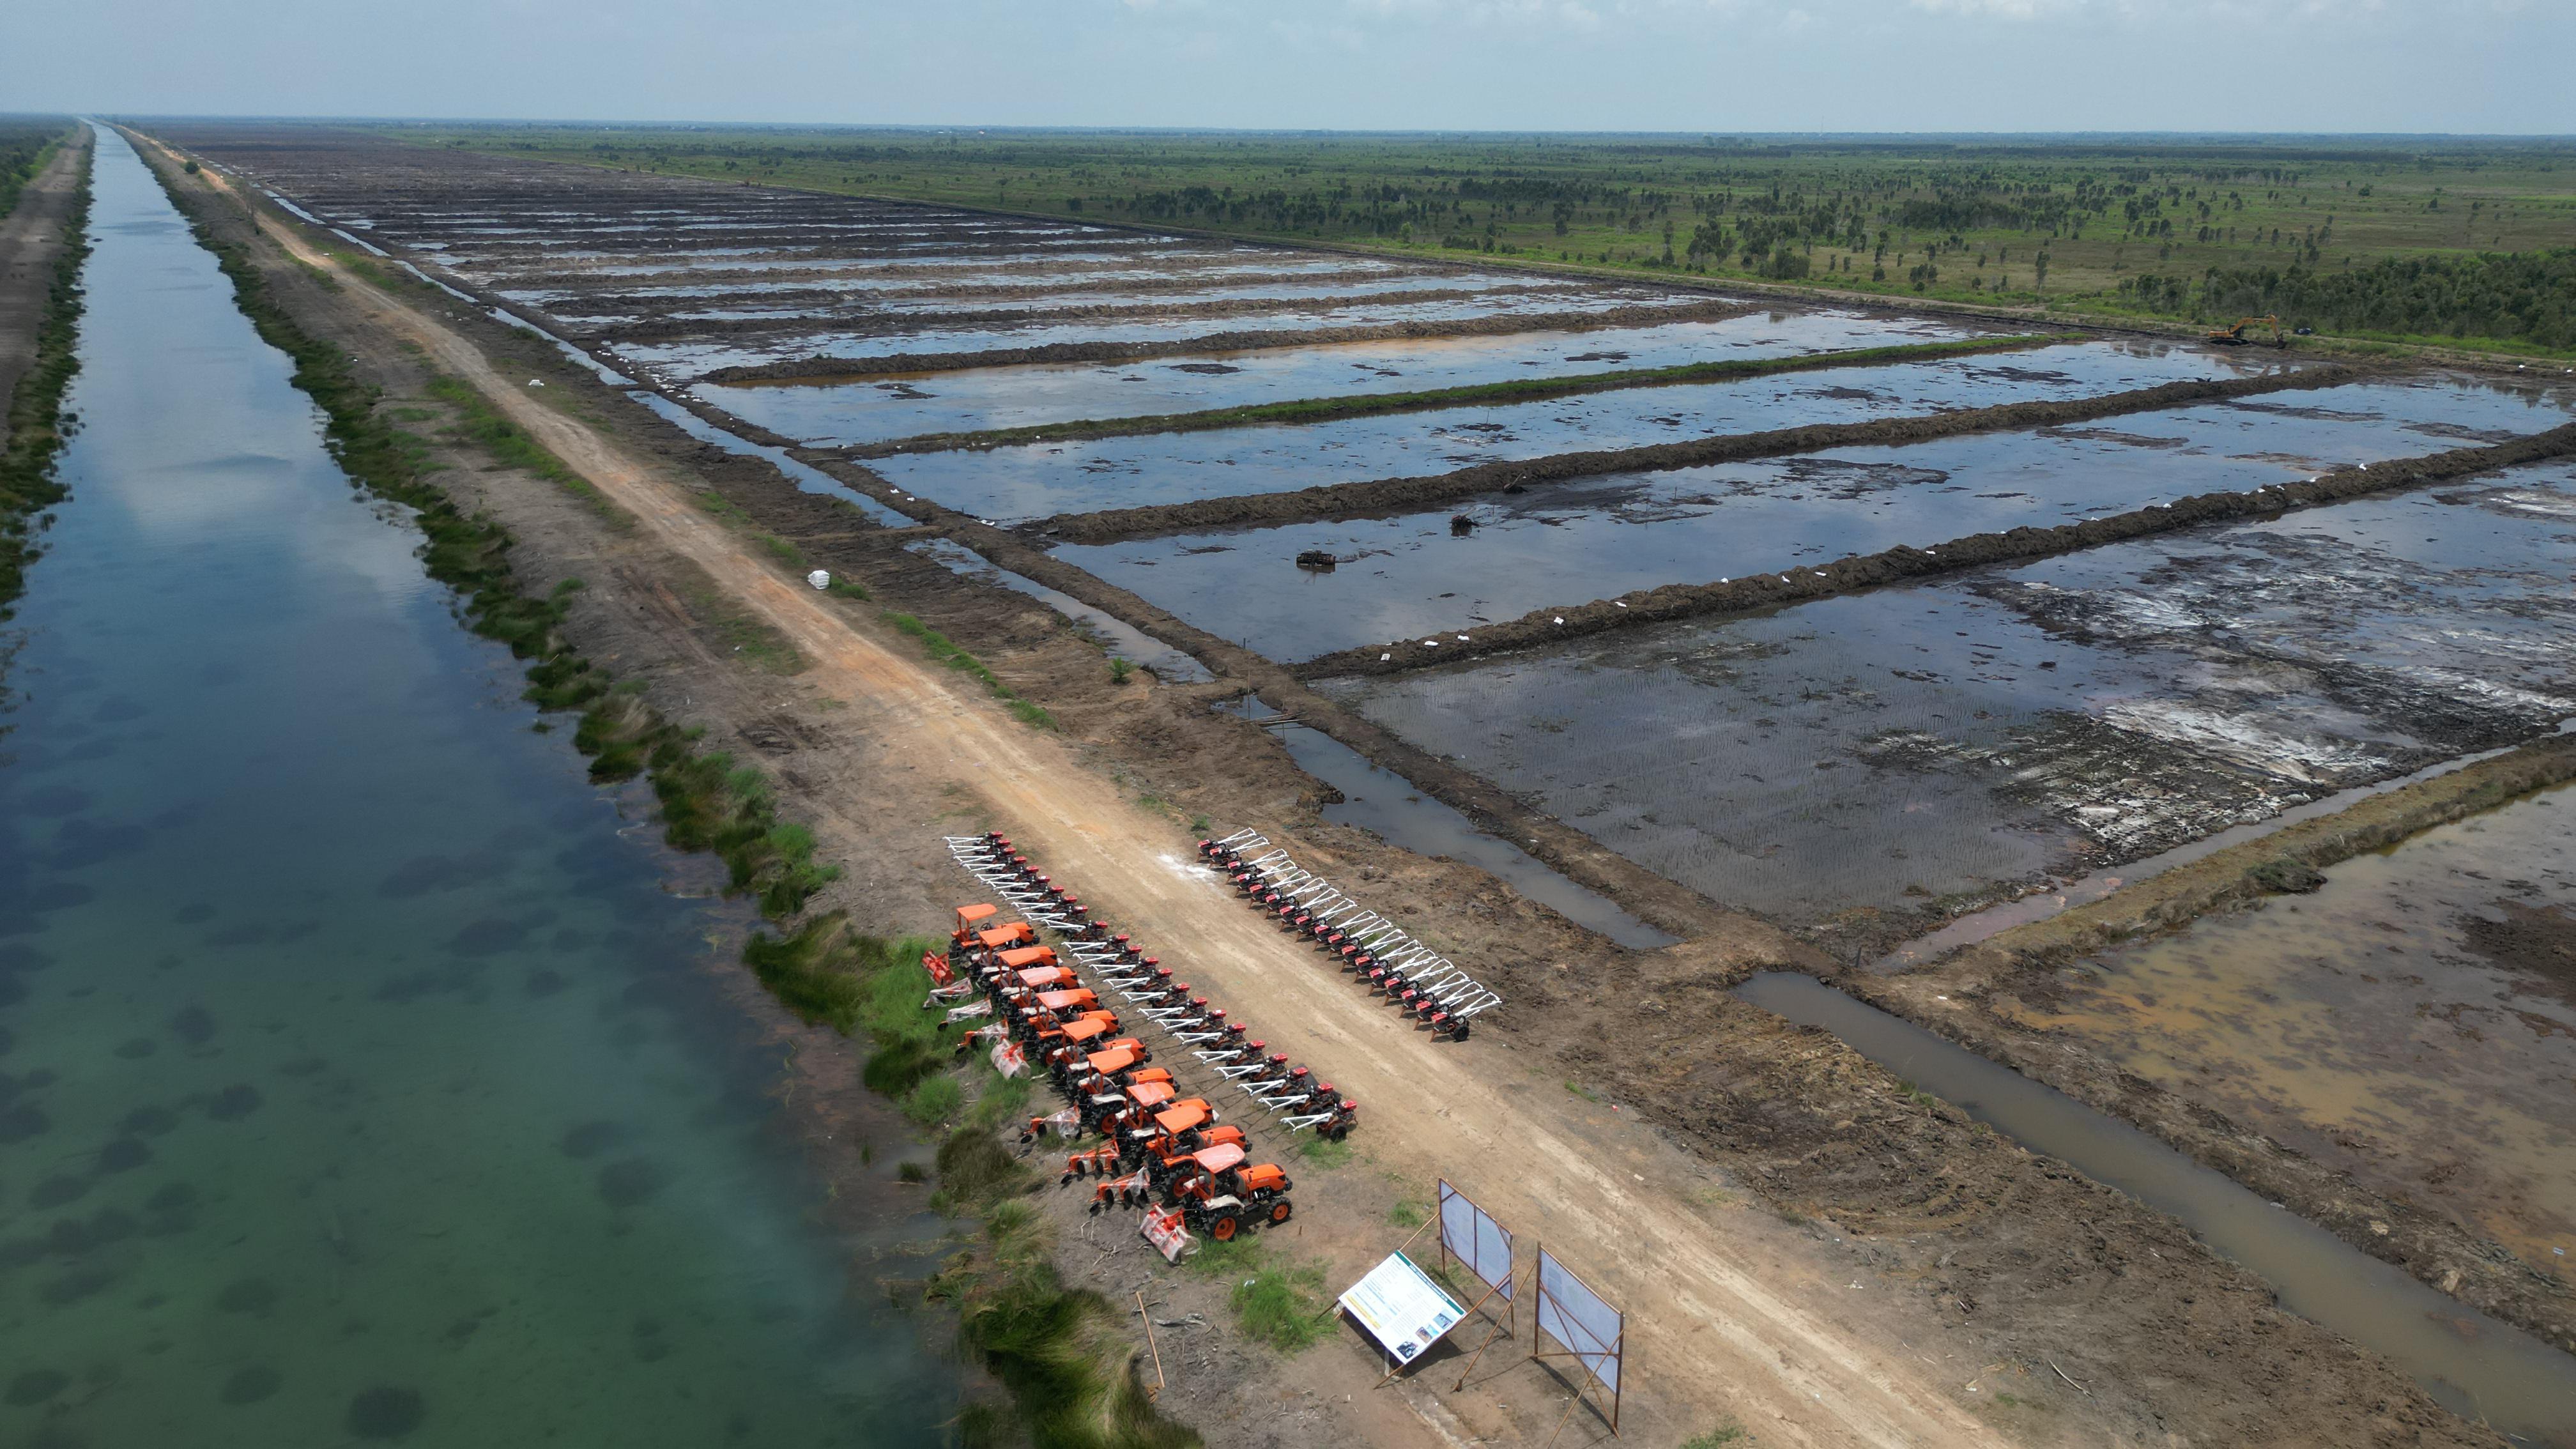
point(360, 1078)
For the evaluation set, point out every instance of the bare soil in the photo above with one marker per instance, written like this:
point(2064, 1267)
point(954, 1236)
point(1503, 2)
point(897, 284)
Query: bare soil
point(1984, 995)
point(30, 238)
point(1805, 1249)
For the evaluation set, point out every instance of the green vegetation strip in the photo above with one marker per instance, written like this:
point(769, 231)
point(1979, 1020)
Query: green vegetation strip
point(947, 651)
point(29, 483)
point(26, 149)
point(1062, 1352)
point(1510, 390)
point(708, 802)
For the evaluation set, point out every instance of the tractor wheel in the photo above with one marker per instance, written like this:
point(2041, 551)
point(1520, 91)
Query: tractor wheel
point(1279, 1211)
point(1222, 1228)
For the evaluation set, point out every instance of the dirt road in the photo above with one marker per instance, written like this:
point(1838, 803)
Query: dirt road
point(1726, 1334)
point(30, 237)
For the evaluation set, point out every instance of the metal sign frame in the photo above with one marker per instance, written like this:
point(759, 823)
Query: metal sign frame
point(1587, 1354)
point(1475, 1219)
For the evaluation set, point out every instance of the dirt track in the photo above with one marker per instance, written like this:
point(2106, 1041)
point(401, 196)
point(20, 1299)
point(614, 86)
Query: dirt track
point(30, 237)
point(1737, 1316)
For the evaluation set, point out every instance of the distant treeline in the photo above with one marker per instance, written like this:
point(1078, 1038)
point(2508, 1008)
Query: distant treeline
point(22, 151)
point(2523, 297)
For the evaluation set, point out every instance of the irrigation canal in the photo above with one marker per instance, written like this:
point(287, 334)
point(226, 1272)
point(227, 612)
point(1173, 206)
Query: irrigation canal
point(359, 1077)
point(2479, 1368)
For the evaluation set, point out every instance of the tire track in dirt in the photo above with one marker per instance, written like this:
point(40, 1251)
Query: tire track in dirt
point(1727, 1334)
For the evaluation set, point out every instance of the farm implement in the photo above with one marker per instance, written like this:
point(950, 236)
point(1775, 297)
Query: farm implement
point(1373, 950)
point(1077, 1002)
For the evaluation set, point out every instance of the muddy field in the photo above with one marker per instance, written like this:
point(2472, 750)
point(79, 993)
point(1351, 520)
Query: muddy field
point(1857, 766)
point(1892, 752)
point(673, 280)
point(2411, 1022)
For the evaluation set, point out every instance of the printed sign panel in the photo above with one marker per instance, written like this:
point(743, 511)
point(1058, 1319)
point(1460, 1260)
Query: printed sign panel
point(1575, 1316)
point(1401, 1307)
point(1475, 1239)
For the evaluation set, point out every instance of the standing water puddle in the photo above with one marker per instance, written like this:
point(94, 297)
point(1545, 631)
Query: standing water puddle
point(2476, 1366)
point(1388, 806)
point(1593, 538)
point(2411, 1023)
point(1035, 479)
point(830, 414)
point(1888, 749)
point(357, 1080)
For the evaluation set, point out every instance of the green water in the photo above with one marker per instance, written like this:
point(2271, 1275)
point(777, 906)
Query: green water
point(364, 1074)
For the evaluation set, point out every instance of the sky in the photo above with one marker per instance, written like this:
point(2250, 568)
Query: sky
point(2460, 66)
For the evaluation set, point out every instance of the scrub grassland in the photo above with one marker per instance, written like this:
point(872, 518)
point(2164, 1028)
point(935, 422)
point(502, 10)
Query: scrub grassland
point(2462, 243)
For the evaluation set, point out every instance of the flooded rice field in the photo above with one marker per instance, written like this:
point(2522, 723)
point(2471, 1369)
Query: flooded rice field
point(1390, 807)
point(1037, 479)
point(829, 414)
point(1884, 750)
point(680, 277)
point(363, 1076)
point(1570, 542)
point(2412, 1022)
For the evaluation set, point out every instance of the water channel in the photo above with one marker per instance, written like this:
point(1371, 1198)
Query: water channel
point(361, 1079)
point(2476, 1366)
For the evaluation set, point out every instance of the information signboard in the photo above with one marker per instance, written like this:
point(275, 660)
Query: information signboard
point(1402, 1307)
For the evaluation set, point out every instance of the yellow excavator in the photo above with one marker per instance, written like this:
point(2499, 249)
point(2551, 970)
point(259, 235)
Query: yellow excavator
point(2235, 336)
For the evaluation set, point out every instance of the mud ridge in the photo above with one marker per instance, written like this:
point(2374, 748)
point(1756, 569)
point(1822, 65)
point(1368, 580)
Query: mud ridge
point(877, 321)
point(1975, 996)
point(1807, 582)
point(1476, 394)
point(835, 369)
point(1407, 495)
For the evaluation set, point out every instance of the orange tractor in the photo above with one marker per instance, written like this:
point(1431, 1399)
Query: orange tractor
point(1218, 1194)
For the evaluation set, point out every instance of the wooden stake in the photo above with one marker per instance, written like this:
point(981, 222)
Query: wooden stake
point(1157, 1390)
point(1490, 1334)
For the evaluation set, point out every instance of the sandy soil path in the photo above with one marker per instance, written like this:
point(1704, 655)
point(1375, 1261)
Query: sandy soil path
point(1717, 1329)
point(30, 237)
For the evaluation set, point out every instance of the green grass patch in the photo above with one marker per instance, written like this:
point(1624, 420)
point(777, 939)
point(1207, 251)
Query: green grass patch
point(740, 632)
point(1718, 1438)
point(947, 651)
point(1282, 1304)
point(511, 446)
